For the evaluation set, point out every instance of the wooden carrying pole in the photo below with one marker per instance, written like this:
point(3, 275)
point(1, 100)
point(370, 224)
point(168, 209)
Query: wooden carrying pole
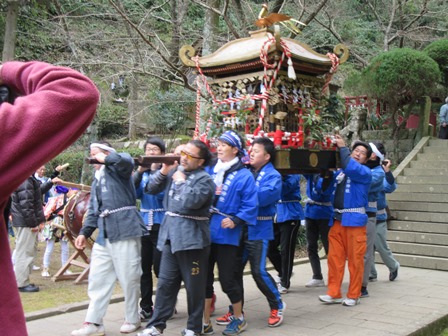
point(146, 161)
point(81, 187)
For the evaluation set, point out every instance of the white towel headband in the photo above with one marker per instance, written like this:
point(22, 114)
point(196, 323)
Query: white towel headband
point(376, 151)
point(103, 147)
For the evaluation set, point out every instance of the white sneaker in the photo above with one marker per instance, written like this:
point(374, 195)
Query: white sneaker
point(89, 329)
point(315, 283)
point(277, 279)
point(36, 268)
point(151, 331)
point(45, 273)
point(127, 327)
point(282, 289)
point(350, 302)
point(329, 299)
point(188, 332)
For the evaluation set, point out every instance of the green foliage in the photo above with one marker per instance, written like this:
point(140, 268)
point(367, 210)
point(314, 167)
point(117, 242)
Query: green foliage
point(376, 122)
point(76, 161)
point(354, 84)
point(401, 76)
point(320, 122)
point(170, 112)
point(333, 115)
point(112, 121)
point(438, 51)
point(134, 152)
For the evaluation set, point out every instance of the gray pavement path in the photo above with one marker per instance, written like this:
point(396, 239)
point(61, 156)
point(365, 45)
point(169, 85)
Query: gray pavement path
point(416, 299)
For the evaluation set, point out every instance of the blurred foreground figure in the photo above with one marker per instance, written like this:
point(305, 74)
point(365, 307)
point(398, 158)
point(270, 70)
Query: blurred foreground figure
point(65, 102)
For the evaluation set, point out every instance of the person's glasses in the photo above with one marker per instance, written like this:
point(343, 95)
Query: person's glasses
point(188, 155)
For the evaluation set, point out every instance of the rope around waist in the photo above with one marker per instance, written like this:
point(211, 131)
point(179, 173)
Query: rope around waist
point(381, 212)
point(265, 218)
point(312, 202)
point(151, 216)
point(173, 214)
point(351, 210)
point(214, 211)
point(108, 212)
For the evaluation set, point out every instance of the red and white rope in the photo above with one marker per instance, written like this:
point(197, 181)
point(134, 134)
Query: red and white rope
point(334, 67)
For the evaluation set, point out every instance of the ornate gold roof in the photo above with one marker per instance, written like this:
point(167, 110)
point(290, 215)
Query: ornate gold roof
point(243, 54)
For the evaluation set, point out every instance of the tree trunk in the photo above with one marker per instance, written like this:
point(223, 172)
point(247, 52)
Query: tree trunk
point(209, 32)
point(10, 31)
point(178, 11)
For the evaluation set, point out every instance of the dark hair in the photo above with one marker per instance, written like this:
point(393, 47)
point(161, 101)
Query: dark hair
point(268, 147)
point(364, 144)
point(204, 152)
point(156, 141)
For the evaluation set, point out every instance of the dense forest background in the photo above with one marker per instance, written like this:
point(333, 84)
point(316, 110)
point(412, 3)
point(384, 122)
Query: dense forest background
point(129, 48)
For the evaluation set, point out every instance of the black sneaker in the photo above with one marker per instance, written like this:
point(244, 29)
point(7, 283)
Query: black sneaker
point(207, 329)
point(364, 292)
point(145, 315)
point(393, 275)
point(372, 279)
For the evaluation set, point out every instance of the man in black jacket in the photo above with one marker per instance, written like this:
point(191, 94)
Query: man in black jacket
point(27, 215)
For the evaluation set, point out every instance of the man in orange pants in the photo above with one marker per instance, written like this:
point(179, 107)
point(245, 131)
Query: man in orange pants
point(347, 237)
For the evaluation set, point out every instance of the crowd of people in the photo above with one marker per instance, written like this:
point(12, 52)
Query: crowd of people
point(226, 210)
point(204, 211)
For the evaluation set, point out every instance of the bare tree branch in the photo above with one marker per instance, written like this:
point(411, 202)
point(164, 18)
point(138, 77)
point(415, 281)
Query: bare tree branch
point(159, 53)
point(311, 17)
point(331, 28)
point(423, 11)
point(222, 14)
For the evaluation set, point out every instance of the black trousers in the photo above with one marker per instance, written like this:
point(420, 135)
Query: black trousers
point(226, 257)
point(189, 266)
point(256, 252)
point(316, 228)
point(150, 261)
point(443, 132)
point(282, 249)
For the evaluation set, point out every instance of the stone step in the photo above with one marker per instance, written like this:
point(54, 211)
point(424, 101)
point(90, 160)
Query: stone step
point(419, 249)
point(397, 225)
point(428, 164)
point(402, 195)
point(417, 237)
point(435, 150)
point(433, 156)
point(421, 188)
point(419, 261)
point(415, 216)
point(418, 206)
point(438, 143)
point(425, 172)
point(421, 179)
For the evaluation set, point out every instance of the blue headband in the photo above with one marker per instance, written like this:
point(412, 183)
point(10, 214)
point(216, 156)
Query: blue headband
point(61, 189)
point(231, 138)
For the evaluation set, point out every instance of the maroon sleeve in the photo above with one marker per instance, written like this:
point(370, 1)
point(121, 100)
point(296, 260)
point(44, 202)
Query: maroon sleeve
point(54, 107)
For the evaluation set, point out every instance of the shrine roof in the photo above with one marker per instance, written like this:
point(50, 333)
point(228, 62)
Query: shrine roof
point(244, 53)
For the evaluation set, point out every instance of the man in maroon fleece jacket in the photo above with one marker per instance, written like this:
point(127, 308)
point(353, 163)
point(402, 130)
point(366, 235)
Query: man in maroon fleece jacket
point(54, 106)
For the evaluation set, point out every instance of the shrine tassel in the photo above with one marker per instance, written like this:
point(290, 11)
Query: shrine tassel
point(291, 72)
